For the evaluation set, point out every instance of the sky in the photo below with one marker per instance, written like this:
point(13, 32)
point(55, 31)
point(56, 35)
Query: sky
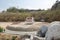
point(26, 4)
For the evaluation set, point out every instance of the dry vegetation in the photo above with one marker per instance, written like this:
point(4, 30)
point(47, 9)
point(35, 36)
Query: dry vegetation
point(9, 37)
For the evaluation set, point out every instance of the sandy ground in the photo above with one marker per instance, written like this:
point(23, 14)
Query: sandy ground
point(35, 25)
point(4, 24)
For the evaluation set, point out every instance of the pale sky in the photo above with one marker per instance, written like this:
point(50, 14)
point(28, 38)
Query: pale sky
point(26, 4)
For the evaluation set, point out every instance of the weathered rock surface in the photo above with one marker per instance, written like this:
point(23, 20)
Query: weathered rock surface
point(53, 32)
point(42, 31)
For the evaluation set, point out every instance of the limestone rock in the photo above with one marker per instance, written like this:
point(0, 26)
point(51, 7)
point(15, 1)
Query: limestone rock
point(53, 32)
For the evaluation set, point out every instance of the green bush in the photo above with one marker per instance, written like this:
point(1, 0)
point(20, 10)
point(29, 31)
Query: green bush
point(1, 29)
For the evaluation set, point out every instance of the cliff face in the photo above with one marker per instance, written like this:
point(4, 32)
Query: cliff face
point(56, 6)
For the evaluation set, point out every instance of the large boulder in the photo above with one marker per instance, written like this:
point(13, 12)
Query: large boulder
point(53, 32)
point(42, 31)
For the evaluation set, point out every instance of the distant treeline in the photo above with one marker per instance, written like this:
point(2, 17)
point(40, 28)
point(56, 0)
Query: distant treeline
point(14, 10)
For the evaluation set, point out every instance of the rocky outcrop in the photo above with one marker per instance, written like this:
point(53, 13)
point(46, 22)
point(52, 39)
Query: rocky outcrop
point(42, 31)
point(53, 32)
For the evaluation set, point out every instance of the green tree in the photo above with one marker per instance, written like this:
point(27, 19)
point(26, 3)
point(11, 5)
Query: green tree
point(12, 9)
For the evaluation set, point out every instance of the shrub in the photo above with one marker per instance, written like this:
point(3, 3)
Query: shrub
point(1, 29)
